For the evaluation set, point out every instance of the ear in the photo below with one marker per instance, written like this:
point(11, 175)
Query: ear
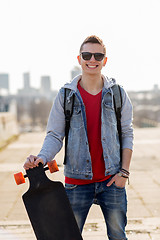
point(79, 59)
point(104, 61)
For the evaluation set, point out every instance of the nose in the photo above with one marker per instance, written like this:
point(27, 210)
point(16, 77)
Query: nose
point(92, 58)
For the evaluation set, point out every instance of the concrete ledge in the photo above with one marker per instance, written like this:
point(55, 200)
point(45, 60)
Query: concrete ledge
point(8, 128)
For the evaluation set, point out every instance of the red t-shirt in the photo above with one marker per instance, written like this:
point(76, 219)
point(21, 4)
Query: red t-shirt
point(93, 114)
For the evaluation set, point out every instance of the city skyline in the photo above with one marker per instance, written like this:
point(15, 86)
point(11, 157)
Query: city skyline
point(50, 83)
point(45, 82)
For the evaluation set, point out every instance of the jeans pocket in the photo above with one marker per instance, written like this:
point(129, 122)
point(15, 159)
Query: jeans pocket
point(70, 186)
point(118, 187)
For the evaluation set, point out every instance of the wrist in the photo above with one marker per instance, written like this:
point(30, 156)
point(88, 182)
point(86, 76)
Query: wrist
point(125, 171)
point(124, 174)
point(120, 174)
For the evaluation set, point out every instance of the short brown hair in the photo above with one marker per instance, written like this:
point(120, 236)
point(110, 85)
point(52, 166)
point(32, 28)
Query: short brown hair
point(93, 39)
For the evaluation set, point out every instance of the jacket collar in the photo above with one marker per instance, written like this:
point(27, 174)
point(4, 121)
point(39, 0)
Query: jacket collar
point(73, 84)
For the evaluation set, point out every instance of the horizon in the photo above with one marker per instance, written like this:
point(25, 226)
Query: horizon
point(38, 84)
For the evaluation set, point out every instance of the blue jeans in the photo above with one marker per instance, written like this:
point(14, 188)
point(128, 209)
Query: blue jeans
point(112, 200)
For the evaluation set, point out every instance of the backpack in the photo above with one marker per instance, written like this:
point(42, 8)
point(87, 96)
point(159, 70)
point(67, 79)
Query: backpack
point(68, 110)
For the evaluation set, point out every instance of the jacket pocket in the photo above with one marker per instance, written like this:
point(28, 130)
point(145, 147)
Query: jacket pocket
point(76, 119)
point(109, 112)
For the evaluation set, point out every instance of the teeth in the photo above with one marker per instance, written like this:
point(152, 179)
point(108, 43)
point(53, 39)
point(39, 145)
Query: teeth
point(92, 66)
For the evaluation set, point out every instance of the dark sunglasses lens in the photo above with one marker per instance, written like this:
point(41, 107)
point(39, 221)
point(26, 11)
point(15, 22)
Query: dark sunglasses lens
point(86, 55)
point(98, 56)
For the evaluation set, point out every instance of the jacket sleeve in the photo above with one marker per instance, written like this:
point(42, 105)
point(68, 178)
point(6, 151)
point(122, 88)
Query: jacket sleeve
point(126, 121)
point(53, 141)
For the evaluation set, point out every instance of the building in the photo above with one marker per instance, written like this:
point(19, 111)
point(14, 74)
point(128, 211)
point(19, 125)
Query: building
point(4, 84)
point(75, 71)
point(4, 81)
point(26, 79)
point(27, 90)
point(156, 88)
point(45, 84)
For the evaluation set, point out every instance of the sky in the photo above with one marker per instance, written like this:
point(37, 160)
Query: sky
point(43, 37)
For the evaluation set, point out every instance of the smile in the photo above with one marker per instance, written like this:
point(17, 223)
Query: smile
point(92, 66)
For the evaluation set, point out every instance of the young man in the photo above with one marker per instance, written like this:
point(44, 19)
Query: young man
point(93, 173)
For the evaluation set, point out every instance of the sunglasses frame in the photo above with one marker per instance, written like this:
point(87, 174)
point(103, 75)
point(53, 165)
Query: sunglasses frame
point(95, 56)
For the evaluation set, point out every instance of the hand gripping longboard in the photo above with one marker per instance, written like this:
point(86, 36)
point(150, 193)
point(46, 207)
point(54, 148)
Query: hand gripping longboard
point(48, 207)
point(20, 177)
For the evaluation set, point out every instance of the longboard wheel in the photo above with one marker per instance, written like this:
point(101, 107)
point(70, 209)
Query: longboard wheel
point(53, 166)
point(19, 178)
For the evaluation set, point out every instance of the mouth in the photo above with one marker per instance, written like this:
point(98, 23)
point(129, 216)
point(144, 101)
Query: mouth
point(92, 66)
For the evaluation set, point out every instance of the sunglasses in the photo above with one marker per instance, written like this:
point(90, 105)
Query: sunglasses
point(88, 55)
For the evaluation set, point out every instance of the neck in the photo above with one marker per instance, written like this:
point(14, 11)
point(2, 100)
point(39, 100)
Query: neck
point(92, 83)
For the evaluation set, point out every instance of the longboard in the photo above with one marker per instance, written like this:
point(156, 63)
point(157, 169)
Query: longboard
point(48, 208)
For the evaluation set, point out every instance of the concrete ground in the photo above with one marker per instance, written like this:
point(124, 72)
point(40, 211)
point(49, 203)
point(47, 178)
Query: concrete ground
point(143, 191)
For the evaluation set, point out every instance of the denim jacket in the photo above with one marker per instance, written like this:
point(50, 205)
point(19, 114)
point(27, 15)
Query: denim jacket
point(78, 159)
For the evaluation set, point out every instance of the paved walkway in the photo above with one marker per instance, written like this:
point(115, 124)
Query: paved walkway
point(143, 191)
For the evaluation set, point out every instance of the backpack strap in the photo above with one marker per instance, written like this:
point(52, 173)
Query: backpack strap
point(117, 97)
point(68, 110)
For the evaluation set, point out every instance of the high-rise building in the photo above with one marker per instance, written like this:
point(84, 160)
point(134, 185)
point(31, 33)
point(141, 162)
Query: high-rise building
point(27, 90)
point(4, 81)
point(26, 79)
point(155, 88)
point(75, 71)
point(45, 84)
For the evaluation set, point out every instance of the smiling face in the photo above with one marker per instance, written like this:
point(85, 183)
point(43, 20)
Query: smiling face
point(92, 66)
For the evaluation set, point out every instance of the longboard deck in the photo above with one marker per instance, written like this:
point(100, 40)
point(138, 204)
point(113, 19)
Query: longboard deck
point(49, 209)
